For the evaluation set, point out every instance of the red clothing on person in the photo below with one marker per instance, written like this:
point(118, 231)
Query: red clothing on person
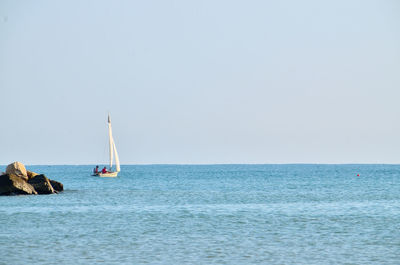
point(104, 170)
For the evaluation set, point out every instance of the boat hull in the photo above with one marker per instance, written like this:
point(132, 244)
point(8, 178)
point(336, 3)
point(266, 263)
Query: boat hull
point(107, 175)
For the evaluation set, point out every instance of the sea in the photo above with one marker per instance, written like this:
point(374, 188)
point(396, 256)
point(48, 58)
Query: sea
point(208, 214)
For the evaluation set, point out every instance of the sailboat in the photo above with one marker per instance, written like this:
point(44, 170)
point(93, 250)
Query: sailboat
point(113, 154)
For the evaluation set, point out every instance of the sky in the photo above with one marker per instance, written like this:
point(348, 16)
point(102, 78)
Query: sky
point(200, 82)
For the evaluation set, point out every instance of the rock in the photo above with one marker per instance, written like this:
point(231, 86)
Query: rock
point(41, 184)
point(17, 169)
point(12, 184)
point(31, 174)
point(58, 186)
point(17, 180)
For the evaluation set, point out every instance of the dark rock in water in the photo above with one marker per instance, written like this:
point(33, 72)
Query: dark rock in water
point(58, 186)
point(18, 180)
point(11, 184)
point(31, 174)
point(41, 184)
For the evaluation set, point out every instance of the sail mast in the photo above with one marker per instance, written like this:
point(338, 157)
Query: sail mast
point(111, 141)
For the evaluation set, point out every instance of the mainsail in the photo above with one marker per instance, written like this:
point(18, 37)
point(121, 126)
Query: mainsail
point(116, 159)
point(113, 149)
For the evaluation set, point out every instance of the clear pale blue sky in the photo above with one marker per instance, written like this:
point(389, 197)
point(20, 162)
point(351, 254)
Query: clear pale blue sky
point(200, 81)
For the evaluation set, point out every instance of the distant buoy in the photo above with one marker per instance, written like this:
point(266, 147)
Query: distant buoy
point(358, 175)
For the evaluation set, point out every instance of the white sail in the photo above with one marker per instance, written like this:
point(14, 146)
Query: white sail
point(116, 158)
point(113, 153)
point(111, 141)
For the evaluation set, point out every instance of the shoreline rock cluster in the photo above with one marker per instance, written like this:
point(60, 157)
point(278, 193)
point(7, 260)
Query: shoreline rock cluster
point(17, 181)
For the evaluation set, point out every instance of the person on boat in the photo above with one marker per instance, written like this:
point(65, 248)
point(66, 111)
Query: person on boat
point(96, 170)
point(104, 170)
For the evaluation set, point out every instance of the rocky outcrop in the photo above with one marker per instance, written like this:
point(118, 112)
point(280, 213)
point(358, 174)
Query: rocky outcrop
point(57, 186)
point(11, 184)
point(41, 184)
point(18, 169)
point(31, 174)
point(17, 180)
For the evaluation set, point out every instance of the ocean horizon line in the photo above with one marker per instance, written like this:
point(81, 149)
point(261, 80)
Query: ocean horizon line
point(209, 164)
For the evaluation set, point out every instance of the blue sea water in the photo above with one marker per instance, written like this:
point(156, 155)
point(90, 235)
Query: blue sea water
point(208, 214)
